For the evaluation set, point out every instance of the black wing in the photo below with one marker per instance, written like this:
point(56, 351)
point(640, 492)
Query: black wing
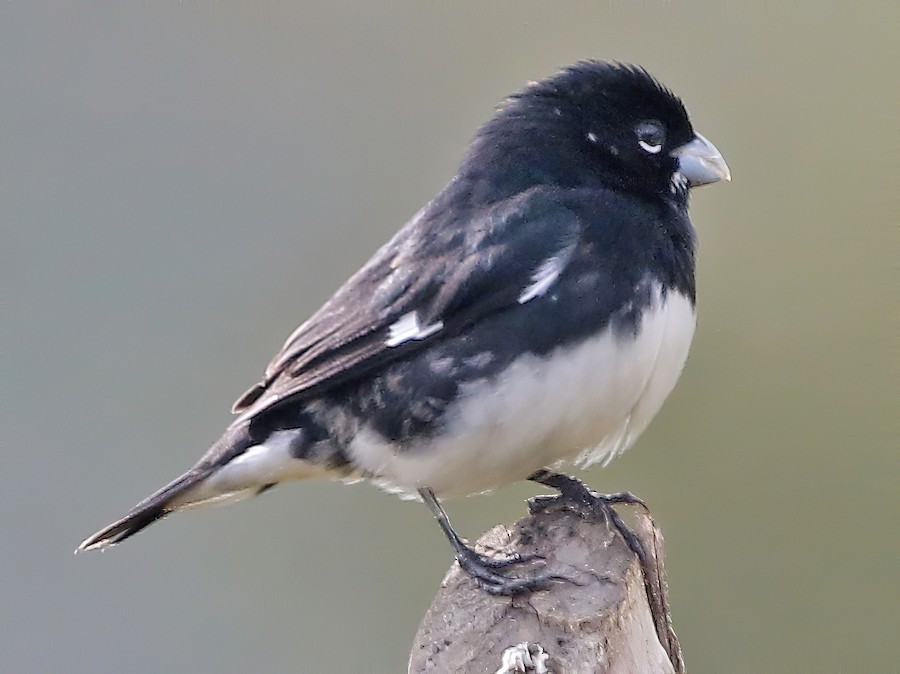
point(447, 267)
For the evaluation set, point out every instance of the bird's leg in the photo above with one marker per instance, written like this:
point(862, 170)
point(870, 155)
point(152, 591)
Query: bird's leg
point(485, 570)
point(575, 495)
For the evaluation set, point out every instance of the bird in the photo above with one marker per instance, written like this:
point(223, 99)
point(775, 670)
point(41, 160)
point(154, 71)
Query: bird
point(536, 313)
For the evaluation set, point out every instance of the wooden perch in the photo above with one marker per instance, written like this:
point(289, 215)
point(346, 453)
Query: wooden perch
point(611, 616)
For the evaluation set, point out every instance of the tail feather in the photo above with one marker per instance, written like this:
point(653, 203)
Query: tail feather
point(145, 513)
point(235, 467)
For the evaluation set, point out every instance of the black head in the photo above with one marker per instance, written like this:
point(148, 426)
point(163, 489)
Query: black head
point(592, 123)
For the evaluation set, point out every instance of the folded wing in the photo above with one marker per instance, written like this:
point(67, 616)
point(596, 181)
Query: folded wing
point(430, 282)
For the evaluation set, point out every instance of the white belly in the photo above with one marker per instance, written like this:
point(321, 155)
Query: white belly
point(587, 403)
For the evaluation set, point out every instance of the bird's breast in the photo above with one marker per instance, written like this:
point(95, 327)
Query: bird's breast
point(587, 401)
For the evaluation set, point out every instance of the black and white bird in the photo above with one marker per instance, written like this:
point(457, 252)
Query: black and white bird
point(538, 311)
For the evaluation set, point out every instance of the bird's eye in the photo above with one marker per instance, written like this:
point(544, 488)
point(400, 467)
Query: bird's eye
point(651, 136)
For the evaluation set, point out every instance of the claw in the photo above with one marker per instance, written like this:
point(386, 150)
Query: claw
point(497, 584)
point(545, 504)
point(577, 496)
point(483, 569)
point(494, 562)
point(507, 587)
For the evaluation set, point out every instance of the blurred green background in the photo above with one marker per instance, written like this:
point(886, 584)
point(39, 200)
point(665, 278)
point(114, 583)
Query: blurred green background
point(182, 183)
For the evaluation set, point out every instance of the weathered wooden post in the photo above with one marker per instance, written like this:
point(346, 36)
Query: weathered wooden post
point(611, 616)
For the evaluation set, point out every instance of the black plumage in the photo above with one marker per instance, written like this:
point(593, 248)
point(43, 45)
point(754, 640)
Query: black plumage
point(566, 225)
point(531, 180)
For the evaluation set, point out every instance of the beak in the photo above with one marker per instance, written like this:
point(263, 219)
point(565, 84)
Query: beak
point(700, 162)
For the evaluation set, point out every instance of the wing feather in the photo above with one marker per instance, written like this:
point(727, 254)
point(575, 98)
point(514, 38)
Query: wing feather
point(447, 272)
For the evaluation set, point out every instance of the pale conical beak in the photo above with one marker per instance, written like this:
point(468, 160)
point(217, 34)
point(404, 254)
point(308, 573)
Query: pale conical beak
point(700, 162)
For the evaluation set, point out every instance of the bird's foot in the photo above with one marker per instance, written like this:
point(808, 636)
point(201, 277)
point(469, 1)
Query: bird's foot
point(487, 572)
point(576, 496)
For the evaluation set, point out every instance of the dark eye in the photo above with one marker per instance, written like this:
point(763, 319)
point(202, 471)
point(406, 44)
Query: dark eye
point(651, 136)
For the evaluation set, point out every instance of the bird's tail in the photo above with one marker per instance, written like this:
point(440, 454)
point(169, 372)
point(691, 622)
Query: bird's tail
point(144, 514)
point(201, 485)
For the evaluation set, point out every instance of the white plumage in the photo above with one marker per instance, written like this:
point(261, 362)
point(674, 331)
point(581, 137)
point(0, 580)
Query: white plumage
point(588, 404)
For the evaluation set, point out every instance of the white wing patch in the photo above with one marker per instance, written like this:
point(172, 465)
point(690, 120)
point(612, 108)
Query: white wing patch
point(407, 329)
point(546, 274)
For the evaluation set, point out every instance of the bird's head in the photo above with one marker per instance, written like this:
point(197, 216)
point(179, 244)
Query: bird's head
point(597, 122)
